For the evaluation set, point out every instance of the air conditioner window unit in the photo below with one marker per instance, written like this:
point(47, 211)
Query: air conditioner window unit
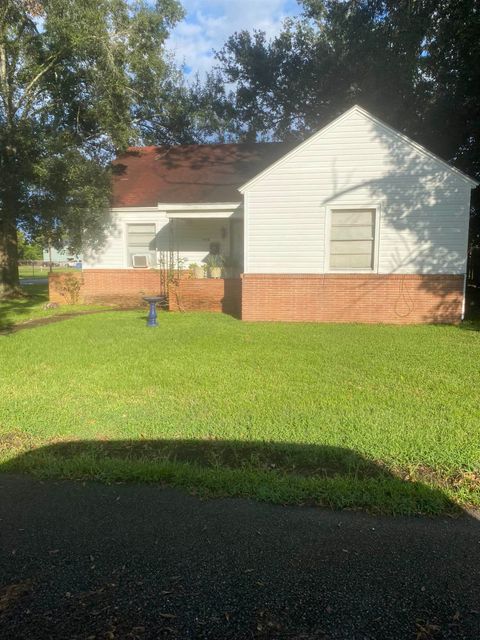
point(140, 261)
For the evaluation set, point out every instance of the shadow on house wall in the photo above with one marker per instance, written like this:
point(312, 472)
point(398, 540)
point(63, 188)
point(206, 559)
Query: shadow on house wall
point(232, 298)
point(418, 235)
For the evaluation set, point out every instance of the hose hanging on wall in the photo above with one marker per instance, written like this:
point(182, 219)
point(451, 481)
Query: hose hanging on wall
point(404, 300)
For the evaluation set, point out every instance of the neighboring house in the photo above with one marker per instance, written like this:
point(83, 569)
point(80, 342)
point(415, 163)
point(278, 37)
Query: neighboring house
point(61, 256)
point(357, 223)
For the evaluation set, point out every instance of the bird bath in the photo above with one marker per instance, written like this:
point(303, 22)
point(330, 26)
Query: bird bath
point(152, 315)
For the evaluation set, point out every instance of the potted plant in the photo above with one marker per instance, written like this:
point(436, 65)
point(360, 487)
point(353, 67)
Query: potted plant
point(197, 270)
point(214, 262)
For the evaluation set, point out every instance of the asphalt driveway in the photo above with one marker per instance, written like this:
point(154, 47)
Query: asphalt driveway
point(104, 562)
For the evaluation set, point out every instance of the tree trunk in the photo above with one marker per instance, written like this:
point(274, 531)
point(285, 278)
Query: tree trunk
point(9, 279)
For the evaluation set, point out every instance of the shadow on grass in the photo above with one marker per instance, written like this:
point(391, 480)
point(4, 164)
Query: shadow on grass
point(174, 563)
point(472, 309)
point(13, 310)
point(333, 477)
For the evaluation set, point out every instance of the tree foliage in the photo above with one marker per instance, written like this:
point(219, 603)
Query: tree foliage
point(415, 63)
point(78, 81)
point(28, 250)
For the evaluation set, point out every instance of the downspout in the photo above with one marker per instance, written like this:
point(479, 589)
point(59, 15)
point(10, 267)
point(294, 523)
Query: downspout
point(462, 317)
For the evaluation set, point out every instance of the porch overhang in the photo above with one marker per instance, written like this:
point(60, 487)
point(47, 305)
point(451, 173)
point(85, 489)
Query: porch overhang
point(213, 210)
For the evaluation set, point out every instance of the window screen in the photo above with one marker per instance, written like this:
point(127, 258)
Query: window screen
point(352, 239)
point(141, 241)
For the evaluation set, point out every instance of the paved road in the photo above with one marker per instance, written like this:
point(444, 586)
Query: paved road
point(27, 281)
point(103, 562)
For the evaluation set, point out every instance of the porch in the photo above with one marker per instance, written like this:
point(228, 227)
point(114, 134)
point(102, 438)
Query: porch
point(195, 232)
point(127, 287)
point(168, 250)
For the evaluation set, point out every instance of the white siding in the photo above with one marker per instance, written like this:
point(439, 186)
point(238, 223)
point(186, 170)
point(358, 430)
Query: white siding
point(113, 254)
point(357, 162)
point(190, 237)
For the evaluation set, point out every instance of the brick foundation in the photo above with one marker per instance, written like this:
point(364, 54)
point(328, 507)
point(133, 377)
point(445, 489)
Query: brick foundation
point(127, 287)
point(372, 298)
point(124, 287)
point(390, 299)
point(206, 294)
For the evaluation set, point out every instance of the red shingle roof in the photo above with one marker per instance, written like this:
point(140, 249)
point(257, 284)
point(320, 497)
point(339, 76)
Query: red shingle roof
point(145, 176)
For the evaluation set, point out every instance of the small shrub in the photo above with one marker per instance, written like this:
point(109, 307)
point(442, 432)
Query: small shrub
point(69, 287)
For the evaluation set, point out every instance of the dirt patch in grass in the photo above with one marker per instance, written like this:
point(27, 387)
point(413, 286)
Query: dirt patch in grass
point(38, 322)
point(454, 480)
point(15, 441)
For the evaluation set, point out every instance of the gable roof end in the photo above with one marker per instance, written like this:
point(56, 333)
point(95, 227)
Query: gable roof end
point(346, 114)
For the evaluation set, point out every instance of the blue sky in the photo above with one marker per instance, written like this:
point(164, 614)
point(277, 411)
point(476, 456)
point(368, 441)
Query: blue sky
point(208, 24)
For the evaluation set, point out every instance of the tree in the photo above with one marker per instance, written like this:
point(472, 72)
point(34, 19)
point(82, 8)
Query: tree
point(453, 115)
point(198, 111)
point(79, 81)
point(28, 250)
point(414, 63)
point(334, 55)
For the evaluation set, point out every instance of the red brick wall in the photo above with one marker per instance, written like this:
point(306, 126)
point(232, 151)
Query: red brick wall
point(399, 299)
point(207, 294)
point(126, 287)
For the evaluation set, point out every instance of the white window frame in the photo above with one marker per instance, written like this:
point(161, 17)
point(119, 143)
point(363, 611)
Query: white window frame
point(376, 239)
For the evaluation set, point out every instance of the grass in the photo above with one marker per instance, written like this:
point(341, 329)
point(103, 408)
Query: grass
point(376, 417)
point(31, 307)
point(27, 271)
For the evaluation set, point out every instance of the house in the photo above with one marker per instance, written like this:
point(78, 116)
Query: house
point(61, 256)
point(356, 224)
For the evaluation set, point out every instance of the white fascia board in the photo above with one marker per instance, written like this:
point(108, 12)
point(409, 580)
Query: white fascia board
point(202, 210)
point(357, 109)
point(200, 215)
point(197, 206)
point(133, 209)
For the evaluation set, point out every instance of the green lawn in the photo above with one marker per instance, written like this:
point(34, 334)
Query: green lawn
point(31, 307)
point(27, 271)
point(376, 417)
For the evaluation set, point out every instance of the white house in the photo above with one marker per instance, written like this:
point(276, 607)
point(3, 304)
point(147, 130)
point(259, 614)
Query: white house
point(357, 223)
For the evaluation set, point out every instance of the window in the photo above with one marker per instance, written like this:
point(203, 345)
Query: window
point(352, 239)
point(141, 241)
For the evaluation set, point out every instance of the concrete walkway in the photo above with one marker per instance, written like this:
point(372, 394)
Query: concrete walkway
point(103, 562)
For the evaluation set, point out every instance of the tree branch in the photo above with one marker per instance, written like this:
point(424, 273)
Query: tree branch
point(28, 94)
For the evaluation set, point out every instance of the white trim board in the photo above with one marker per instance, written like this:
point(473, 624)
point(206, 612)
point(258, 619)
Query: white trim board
point(200, 215)
point(377, 207)
point(201, 210)
point(133, 209)
point(198, 206)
